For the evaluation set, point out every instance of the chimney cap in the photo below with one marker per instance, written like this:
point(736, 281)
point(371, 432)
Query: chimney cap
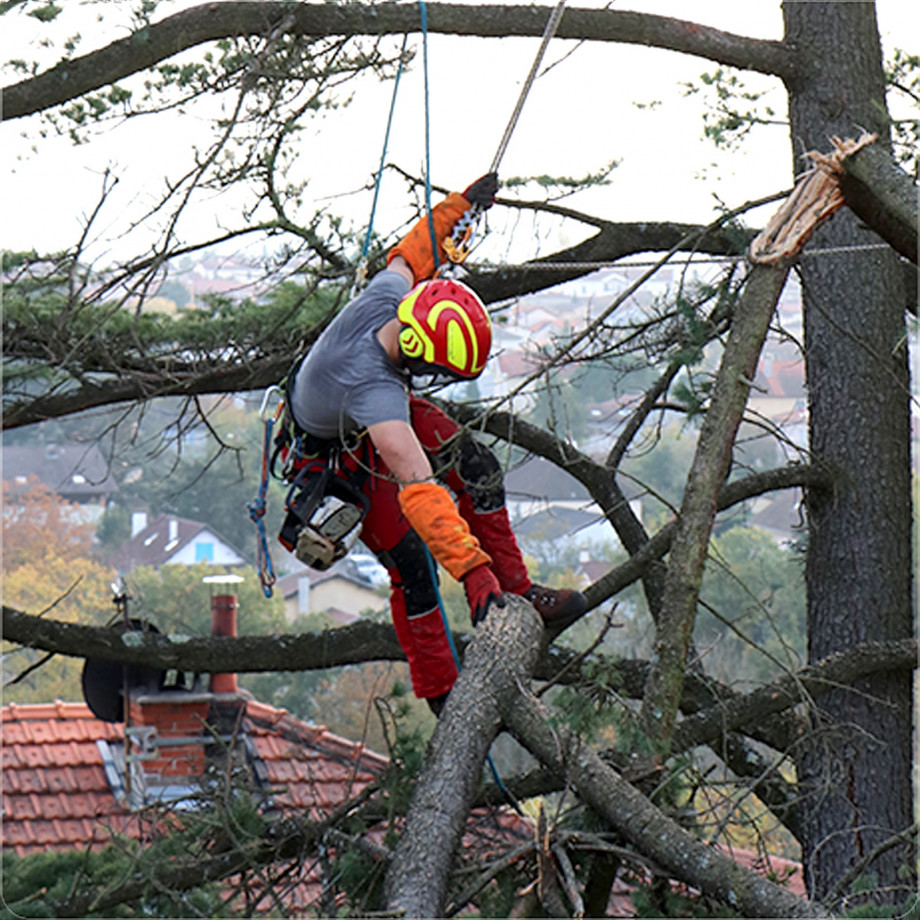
point(225, 578)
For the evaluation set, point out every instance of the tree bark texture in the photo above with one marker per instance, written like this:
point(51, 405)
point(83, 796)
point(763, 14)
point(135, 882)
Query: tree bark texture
point(642, 824)
point(213, 21)
point(711, 463)
point(500, 658)
point(884, 197)
point(855, 772)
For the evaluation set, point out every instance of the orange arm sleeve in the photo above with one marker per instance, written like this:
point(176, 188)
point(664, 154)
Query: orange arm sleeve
point(434, 517)
point(415, 246)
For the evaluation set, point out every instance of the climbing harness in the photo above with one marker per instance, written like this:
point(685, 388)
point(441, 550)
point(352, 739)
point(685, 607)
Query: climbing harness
point(325, 508)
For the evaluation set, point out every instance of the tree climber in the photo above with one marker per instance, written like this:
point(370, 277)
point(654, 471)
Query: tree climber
point(350, 398)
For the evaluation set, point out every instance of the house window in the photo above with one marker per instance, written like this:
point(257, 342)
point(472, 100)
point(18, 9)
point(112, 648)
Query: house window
point(204, 552)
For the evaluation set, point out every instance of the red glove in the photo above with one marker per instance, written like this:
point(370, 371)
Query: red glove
point(482, 589)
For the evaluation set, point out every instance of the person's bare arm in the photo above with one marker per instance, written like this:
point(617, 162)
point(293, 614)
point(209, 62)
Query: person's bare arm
point(399, 265)
point(400, 450)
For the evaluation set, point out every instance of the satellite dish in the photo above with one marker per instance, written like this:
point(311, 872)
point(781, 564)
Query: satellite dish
point(104, 682)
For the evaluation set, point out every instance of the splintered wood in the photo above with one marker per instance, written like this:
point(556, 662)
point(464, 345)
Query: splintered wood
point(814, 199)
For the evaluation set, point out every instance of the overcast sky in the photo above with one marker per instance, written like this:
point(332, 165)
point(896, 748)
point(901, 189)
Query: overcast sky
point(582, 113)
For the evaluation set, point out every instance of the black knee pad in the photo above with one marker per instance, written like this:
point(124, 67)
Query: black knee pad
point(481, 473)
point(417, 573)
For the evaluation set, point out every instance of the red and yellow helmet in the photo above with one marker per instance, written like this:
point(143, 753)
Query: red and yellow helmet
point(445, 330)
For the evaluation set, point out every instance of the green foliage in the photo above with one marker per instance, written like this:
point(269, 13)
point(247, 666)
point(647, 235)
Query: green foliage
point(115, 526)
point(865, 886)
point(176, 600)
point(46, 13)
point(45, 884)
point(753, 618)
point(565, 184)
point(39, 309)
point(361, 878)
point(732, 109)
point(40, 884)
point(586, 707)
point(692, 394)
point(902, 73)
point(660, 898)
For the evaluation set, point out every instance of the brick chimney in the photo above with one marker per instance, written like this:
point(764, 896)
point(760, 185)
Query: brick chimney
point(223, 623)
point(173, 729)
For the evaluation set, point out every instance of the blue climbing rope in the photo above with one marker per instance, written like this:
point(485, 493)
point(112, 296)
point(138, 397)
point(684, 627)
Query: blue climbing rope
point(258, 506)
point(365, 249)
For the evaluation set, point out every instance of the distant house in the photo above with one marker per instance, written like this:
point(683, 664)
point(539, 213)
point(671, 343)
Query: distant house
point(79, 473)
point(171, 540)
point(344, 591)
point(547, 504)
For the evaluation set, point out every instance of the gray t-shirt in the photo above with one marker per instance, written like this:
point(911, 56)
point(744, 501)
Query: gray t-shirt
point(347, 381)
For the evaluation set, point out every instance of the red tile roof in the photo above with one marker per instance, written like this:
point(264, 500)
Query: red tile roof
point(56, 793)
point(55, 790)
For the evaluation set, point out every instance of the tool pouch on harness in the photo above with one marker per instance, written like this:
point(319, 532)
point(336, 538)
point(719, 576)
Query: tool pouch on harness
point(325, 508)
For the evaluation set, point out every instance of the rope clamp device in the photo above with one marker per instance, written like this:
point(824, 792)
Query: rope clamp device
point(459, 244)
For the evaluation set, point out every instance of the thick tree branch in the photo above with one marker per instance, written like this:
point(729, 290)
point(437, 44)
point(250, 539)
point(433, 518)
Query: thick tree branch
point(611, 242)
point(710, 467)
point(91, 394)
point(360, 641)
point(650, 831)
point(501, 657)
point(207, 375)
point(884, 196)
point(833, 672)
point(213, 21)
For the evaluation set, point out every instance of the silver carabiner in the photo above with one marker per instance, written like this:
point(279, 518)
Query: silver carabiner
point(266, 400)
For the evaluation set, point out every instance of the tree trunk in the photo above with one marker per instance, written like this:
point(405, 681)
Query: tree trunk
point(855, 770)
point(500, 658)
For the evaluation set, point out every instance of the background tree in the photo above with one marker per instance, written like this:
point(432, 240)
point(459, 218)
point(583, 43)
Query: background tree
point(48, 570)
point(858, 564)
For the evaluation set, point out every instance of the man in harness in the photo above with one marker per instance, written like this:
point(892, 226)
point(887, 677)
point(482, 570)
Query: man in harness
point(350, 399)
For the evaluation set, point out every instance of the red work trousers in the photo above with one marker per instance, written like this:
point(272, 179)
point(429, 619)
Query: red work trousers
point(472, 472)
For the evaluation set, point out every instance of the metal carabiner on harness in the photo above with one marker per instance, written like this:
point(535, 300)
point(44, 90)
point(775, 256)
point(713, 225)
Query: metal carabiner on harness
point(273, 390)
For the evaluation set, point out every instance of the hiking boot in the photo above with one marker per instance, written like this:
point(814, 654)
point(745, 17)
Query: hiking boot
point(436, 703)
point(558, 607)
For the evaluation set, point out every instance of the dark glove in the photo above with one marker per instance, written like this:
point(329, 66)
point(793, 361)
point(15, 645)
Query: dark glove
point(482, 192)
point(482, 589)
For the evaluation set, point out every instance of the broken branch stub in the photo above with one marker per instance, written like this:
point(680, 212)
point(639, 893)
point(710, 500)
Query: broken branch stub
point(816, 197)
